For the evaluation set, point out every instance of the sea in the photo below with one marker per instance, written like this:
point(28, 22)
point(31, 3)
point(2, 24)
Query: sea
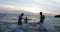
point(8, 23)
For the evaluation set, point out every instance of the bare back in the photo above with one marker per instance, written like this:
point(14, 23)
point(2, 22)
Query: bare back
point(42, 17)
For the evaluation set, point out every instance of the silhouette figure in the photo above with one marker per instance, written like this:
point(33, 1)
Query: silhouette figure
point(42, 18)
point(26, 20)
point(20, 19)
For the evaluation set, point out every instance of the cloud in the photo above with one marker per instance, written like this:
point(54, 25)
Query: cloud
point(57, 1)
point(26, 8)
point(50, 12)
point(34, 6)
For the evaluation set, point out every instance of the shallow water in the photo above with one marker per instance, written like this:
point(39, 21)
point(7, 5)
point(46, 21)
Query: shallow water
point(8, 23)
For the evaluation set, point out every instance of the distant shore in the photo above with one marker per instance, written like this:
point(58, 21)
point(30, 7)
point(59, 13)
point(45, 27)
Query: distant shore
point(57, 16)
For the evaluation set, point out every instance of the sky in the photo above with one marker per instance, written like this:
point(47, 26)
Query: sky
point(33, 6)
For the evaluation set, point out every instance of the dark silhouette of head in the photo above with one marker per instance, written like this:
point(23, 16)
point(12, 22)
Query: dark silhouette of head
point(22, 14)
point(26, 17)
point(40, 13)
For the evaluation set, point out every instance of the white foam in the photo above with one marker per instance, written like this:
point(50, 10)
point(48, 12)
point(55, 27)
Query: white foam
point(42, 26)
point(16, 28)
point(49, 27)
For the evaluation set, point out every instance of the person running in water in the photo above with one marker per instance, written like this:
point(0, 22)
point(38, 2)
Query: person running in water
point(42, 18)
point(20, 19)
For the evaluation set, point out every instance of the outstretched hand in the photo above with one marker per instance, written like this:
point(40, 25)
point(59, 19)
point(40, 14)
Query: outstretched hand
point(27, 19)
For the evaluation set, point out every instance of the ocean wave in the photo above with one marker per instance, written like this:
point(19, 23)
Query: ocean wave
point(26, 27)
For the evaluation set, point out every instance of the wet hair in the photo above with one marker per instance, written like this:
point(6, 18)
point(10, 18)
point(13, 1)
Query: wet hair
point(22, 14)
point(40, 13)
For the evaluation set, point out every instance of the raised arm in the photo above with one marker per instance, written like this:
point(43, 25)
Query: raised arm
point(29, 19)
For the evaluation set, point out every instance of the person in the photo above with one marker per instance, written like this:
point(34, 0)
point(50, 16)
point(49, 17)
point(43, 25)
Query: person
point(26, 20)
point(42, 18)
point(20, 19)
